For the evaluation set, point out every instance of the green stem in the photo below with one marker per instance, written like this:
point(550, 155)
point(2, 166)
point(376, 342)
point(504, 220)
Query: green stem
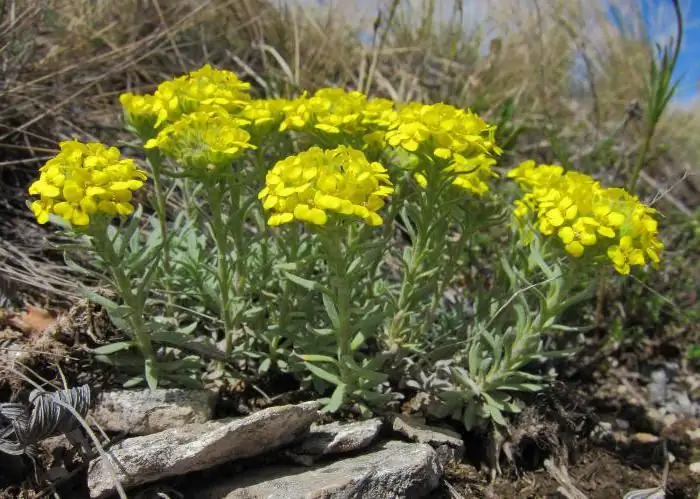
point(220, 236)
point(156, 163)
point(285, 308)
point(340, 286)
point(443, 281)
point(641, 159)
point(237, 227)
point(427, 211)
point(407, 286)
point(662, 89)
point(124, 288)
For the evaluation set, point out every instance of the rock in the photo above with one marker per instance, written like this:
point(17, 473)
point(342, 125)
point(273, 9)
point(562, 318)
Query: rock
point(142, 412)
point(621, 437)
point(695, 467)
point(645, 438)
point(681, 430)
point(658, 386)
point(602, 432)
point(336, 438)
point(622, 424)
point(195, 447)
point(655, 419)
point(395, 469)
point(448, 443)
point(669, 419)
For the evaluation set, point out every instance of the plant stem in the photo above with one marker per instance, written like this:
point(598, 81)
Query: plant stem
point(124, 287)
point(155, 160)
point(427, 213)
point(407, 286)
point(220, 236)
point(661, 91)
point(340, 286)
point(641, 159)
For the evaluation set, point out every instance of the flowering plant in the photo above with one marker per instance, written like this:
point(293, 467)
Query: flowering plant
point(334, 237)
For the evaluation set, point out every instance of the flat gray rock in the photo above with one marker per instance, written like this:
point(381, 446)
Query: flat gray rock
point(393, 470)
point(336, 438)
point(195, 447)
point(448, 443)
point(142, 412)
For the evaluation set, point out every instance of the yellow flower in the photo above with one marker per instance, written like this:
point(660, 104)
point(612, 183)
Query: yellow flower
point(215, 87)
point(624, 255)
point(379, 114)
point(315, 183)
point(442, 130)
point(203, 139)
point(530, 175)
point(204, 88)
point(336, 110)
point(297, 114)
point(461, 143)
point(83, 180)
point(146, 112)
point(264, 113)
point(579, 235)
point(472, 172)
point(587, 217)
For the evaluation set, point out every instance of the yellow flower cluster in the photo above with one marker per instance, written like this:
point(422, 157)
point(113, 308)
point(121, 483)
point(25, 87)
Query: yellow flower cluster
point(588, 217)
point(205, 87)
point(263, 113)
point(83, 180)
point(334, 111)
point(203, 140)
point(442, 130)
point(460, 137)
point(309, 185)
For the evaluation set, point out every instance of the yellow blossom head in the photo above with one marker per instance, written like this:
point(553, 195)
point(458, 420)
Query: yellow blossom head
point(472, 172)
point(204, 88)
point(317, 183)
point(143, 112)
point(83, 180)
point(334, 111)
point(456, 143)
point(441, 130)
point(207, 87)
point(203, 140)
point(264, 113)
point(605, 223)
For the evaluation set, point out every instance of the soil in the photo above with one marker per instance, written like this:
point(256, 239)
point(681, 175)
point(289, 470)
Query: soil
point(598, 473)
point(561, 426)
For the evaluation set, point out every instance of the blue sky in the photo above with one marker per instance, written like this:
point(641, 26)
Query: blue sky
point(661, 21)
point(661, 24)
point(689, 60)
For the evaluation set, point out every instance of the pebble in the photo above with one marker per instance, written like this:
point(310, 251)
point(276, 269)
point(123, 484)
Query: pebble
point(694, 435)
point(645, 438)
point(622, 424)
point(695, 467)
point(669, 419)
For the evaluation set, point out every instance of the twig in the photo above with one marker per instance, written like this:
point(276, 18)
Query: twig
point(665, 193)
point(561, 475)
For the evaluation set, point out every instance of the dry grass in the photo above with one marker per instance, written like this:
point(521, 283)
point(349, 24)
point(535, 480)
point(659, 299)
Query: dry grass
point(570, 71)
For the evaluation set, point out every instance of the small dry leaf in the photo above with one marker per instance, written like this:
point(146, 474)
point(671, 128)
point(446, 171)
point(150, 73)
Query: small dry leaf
point(34, 320)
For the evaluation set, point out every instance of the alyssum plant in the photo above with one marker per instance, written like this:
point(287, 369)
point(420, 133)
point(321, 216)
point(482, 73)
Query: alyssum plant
point(320, 236)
